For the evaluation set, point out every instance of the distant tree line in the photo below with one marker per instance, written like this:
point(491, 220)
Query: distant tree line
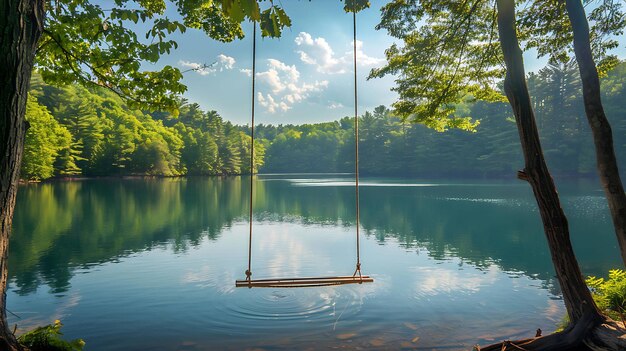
point(74, 131)
point(77, 131)
point(390, 146)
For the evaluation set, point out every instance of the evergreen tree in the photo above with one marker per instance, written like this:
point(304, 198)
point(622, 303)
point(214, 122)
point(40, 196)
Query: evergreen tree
point(45, 138)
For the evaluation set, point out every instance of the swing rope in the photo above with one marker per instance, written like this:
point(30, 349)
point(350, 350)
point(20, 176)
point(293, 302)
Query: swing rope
point(356, 153)
point(295, 282)
point(249, 271)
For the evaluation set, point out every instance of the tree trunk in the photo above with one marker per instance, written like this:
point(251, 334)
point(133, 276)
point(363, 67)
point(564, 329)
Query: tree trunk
point(576, 295)
point(21, 24)
point(600, 127)
point(588, 327)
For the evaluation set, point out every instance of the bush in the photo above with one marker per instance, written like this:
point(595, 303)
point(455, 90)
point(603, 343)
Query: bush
point(610, 294)
point(48, 338)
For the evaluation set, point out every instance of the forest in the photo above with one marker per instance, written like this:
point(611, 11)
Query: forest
point(75, 131)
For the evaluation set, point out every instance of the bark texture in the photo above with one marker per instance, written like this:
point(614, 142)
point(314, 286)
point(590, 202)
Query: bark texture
point(21, 24)
point(600, 127)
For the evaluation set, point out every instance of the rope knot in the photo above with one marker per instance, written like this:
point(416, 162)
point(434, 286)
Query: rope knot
point(248, 274)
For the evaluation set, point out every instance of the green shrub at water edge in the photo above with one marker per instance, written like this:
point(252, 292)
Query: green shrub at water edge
point(48, 338)
point(610, 294)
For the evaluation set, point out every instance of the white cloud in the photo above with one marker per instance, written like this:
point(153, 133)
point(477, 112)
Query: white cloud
point(283, 81)
point(226, 62)
point(246, 71)
point(291, 71)
point(335, 105)
point(299, 93)
point(270, 104)
point(435, 281)
point(317, 52)
point(222, 63)
point(272, 78)
point(279, 76)
point(362, 59)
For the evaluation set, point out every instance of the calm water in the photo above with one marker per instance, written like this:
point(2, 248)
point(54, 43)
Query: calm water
point(151, 264)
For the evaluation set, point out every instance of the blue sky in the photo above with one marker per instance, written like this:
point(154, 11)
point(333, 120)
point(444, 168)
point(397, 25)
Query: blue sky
point(303, 77)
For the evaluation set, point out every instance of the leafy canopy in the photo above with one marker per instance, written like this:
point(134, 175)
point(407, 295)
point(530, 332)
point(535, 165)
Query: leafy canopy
point(545, 26)
point(450, 51)
point(112, 44)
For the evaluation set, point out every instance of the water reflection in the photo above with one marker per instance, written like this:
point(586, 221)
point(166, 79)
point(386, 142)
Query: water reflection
point(59, 227)
point(151, 264)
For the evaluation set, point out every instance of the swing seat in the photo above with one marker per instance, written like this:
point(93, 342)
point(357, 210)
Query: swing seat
point(303, 282)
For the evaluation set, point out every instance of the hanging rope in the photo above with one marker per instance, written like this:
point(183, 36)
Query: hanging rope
point(356, 152)
point(249, 271)
point(300, 282)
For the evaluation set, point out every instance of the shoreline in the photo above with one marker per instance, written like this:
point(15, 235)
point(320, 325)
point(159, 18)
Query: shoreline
point(428, 177)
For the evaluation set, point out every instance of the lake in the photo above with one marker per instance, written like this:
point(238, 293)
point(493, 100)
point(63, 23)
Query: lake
point(151, 264)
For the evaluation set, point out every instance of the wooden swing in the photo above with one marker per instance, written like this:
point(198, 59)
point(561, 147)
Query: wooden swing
point(356, 277)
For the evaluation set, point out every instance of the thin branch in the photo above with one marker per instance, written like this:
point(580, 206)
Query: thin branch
point(445, 40)
point(68, 57)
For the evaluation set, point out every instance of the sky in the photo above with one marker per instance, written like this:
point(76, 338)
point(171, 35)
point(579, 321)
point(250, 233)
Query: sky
point(306, 76)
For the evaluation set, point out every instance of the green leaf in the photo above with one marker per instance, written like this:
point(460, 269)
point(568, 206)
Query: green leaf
point(272, 22)
point(356, 5)
point(251, 9)
point(134, 16)
point(282, 16)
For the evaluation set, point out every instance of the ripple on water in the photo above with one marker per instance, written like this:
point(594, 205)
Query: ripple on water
point(288, 308)
point(289, 304)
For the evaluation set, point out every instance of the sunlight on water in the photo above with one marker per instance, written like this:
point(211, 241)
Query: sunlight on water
point(342, 182)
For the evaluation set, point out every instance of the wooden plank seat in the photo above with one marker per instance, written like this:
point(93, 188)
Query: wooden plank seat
point(303, 282)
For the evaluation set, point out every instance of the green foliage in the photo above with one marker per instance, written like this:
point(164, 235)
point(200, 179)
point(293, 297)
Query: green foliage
point(84, 42)
point(610, 294)
point(390, 145)
point(93, 132)
point(556, 91)
point(450, 50)
point(48, 338)
point(545, 26)
point(305, 148)
point(45, 140)
point(356, 5)
point(104, 137)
